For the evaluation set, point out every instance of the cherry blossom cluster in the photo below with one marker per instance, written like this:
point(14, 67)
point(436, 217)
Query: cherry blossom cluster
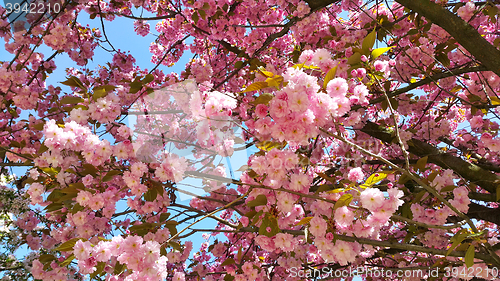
point(303, 85)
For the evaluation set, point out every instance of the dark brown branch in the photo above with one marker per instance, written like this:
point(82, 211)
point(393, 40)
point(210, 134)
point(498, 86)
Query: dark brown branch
point(391, 245)
point(468, 171)
point(425, 81)
point(481, 212)
point(169, 16)
point(465, 34)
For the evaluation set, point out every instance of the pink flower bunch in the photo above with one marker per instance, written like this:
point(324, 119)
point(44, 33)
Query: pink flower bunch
point(381, 208)
point(430, 216)
point(443, 179)
point(58, 37)
point(172, 168)
point(356, 174)
point(35, 192)
point(214, 121)
point(320, 56)
point(201, 71)
point(467, 11)
point(141, 28)
point(461, 199)
point(27, 221)
point(491, 143)
point(105, 109)
point(284, 241)
point(73, 137)
point(276, 163)
point(341, 252)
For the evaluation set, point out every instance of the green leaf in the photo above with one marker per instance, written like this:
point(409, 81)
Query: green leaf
point(151, 195)
point(258, 201)
point(74, 187)
point(228, 277)
point(54, 195)
point(71, 100)
point(256, 217)
point(275, 81)
point(337, 190)
point(74, 82)
point(99, 269)
point(325, 187)
point(469, 256)
point(305, 220)
point(148, 78)
point(238, 64)
point(448, 188)
point(326, 177)
point(269, 221)
point(68, 245)
point(498, 193)
point(228, 262)
point(269, 145)
point(51, 171)
point(443, 58)
point(46, 258)
point(135, 87)
point(195, 17)
point(102, 91)
point(110, 175)
point(354, 59)
point(164, 217)
point(175, 246)
point(256, 86)
point(67, 261)
point(77, 208)
point(476, 235)
point(344, 200)
point(171, 228)
point(378, 52)
point(456, 240)
point(53, 207)
point(119, 268)
point(329, 76)
point(421, 163)
point(264, 72)
point(333, 31)
point(369, 41)
point(89, 169)
point(159, 188)
point(68, 197)
point(495, 100)
point(265, 98)
point(394, 103)
point(142, 229)
point(310, 67)
point(39, 127)
point(374, 178)
point(202, 13)
point(412, 32)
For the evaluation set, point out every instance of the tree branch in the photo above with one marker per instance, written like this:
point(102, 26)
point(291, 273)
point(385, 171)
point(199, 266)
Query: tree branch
point(468, 171)
point(465, 34)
